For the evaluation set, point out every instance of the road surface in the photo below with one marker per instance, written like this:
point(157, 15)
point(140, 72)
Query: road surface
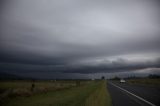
point(133, 95)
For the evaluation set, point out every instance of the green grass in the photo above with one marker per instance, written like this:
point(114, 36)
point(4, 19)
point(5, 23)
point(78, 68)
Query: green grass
point(23, 88)
point(27, 84)
point(145, 81)
point(90, 94)
point(100, 97)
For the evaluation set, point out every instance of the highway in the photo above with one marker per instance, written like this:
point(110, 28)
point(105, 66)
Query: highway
point(123, 94)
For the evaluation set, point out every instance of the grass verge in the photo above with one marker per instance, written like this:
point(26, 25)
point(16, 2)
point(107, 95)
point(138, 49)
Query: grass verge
point(100, 97)
point(146, 81)
point(91, 94)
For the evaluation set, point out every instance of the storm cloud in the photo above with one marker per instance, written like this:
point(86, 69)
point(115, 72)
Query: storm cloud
point(79, 36)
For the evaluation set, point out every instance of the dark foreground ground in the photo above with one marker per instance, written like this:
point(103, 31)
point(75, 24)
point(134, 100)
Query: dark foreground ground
point(122, 98)
point(54, 93)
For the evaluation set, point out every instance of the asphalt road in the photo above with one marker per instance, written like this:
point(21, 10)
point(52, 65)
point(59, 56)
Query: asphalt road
point(133, 95)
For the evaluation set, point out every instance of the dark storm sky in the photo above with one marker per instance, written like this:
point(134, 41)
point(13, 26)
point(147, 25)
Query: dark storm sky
point(79, 38)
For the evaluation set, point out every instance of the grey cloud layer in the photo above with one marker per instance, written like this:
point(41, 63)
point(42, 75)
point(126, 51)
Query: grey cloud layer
point(118, 65)
point(43, 34)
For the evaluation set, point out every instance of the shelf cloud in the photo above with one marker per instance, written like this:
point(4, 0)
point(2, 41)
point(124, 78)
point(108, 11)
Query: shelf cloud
point(78, 37)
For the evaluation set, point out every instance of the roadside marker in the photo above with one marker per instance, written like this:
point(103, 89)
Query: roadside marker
point(134, 95)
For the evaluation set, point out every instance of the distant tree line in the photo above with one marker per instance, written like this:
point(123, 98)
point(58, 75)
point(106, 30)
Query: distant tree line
point(150, 76)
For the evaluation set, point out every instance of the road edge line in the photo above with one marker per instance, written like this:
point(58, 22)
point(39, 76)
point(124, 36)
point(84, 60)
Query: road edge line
point(133, 95)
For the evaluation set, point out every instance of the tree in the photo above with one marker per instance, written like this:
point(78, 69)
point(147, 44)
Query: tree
point(102, 77)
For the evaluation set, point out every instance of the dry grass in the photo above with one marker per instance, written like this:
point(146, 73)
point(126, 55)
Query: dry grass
point(100, 97)
point(145, 81)
point(93, 93)
point(23, 88)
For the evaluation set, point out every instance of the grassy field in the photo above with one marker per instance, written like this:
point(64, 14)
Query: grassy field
point(145, 81)
point(99, 97)
point(93, 93)
point(27, 84)
point(24, 88)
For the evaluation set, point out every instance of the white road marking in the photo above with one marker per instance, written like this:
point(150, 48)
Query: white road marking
point(134, 95)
